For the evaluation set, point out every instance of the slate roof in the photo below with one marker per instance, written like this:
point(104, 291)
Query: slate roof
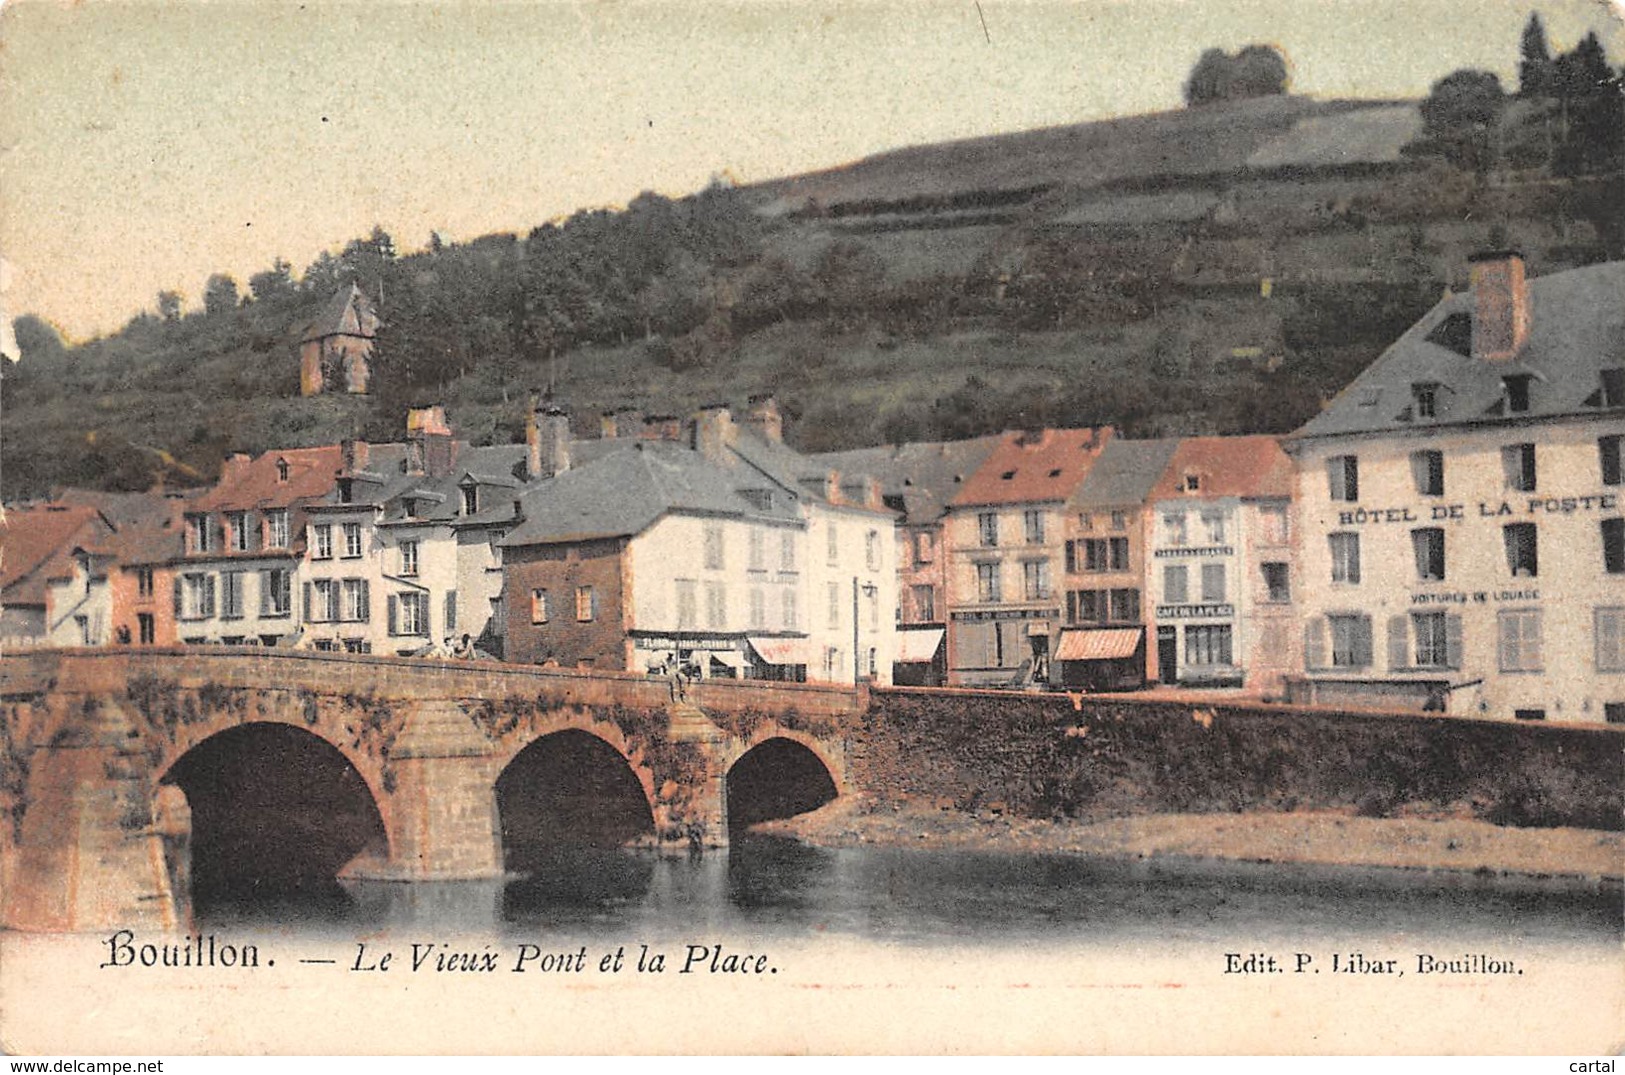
point(1577, 329)
point(36, 542)
point(920, 478)
point(1125, 473)
point(348, 313)
point(623, 492)
point(1252, 466)
point(1034, 467)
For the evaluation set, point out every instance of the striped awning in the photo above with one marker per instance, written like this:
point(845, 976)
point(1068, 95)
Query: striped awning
point(781, 650)
point(918, 647)
point(1103, 644)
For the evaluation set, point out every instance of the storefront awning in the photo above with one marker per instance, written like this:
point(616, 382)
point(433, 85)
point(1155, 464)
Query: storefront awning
point(1105, 644)
point(780, 650)
point(918, 647)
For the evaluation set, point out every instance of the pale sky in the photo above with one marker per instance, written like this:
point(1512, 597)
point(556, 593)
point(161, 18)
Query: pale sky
point(146, 145)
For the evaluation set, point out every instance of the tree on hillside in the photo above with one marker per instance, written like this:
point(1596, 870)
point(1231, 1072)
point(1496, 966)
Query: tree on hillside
point(219, 294)
point(36, 338)
point(1535, 63)
point(273, 283)
point(1255, 71)
point(1460, 116)
point(1593, 115)
point(169, 305)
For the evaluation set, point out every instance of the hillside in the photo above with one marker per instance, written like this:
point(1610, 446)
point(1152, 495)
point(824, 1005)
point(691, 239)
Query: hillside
point(1219, 269)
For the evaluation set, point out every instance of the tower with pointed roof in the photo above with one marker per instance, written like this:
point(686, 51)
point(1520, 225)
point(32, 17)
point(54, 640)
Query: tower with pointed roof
point(335, 351)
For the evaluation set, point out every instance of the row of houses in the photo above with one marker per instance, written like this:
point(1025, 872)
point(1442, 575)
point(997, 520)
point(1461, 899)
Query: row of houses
point(1445, 535)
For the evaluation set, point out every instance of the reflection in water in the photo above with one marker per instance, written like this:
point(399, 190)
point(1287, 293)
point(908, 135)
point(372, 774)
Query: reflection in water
point(578, 883)
point(765, 873)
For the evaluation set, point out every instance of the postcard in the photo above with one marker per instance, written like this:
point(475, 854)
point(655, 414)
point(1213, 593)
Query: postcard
point(649, 527)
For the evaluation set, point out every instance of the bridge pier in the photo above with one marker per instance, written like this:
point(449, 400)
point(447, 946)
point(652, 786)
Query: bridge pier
point(706, 808)
point(87, 854)
point(442, 811)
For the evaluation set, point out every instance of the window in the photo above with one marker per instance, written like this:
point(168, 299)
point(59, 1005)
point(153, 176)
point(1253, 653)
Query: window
point(1519, 645)
point(832, 611)
point(1518, 466)
point(924, 547)
point(409, 614)
point(1351, 641)
point(1523, 559)
point(758, 608)
point(1427, 470)
point(832, 542)
point(1213, 521)
point(586, 604)
point(1529, 714)
point(787, 606)
point(1095, 554)
point(357, 600)
point(1432, 648)
point(1345, 557)
point(987, 526)
point(538, 605)
point(1614, 712)
point(1035, 578)
point(1516, 387)
point(352, 541)
point(1119, 520)
point(713, 546)
point(451, 611)
point(199, 534)
point(471, 499)
point(231, 595)
point(1207, 644)
point(1175, 588)
point(787, 551)
point(1425, 397)
point(925, 604)
point(197, 597)
point(346, 490)
point(409, 508)
point(1613, 546)
point(409, 558)
point(143, 582)
point(1343, 474)
point(1125, 606)
point(987, 582)
point(1173, 528)
point(871, 596)
point(1086, 522)
point(237, 524)
point(871, 550)
point(321, 541)
point(357, 645)
point(1275, 524)
point(757, 549)
point(282, 470)
point(1193, 483)
point(1213, 583)
point(1610, 639)
point(1428, 547)
point(276, 528)
point(1278, 581)
point(324, 601)
point(1119, 554)
point(1087, 606)
point(146, 628)
point(688, 605)
point(1608, 456)
point(1033, 523)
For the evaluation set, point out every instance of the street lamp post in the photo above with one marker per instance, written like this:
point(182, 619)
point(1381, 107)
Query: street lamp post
point(869, 589)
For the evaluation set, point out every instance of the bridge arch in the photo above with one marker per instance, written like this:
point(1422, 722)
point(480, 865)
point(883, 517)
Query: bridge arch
point(781, 773)
point(265, 808)
point(575, 785)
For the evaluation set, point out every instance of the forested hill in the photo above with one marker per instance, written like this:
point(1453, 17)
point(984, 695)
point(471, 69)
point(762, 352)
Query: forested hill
point(1219, 269)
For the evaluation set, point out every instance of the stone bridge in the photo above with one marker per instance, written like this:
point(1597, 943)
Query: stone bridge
point(125, 771)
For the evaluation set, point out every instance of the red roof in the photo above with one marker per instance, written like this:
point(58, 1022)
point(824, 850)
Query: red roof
point(1042, 465)
point(35, 543)
point(250, 484)
point(1252, 466)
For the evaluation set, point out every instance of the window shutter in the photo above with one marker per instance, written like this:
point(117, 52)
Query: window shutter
point(394, 614)
point(1362, 642)
point(1334, 473)
point(366, 602)
point(451, 611)
point(1419, 471)
point(1398, 644)
point(1452, 640)
point(177, 597)
point(307, 602)
point(208, 596)
point(1314, 643)
point(1511, 469)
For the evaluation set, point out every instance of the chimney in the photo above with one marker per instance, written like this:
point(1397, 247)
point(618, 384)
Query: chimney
point(547, 437)
point(662, 427)
point(355, 453)
point(714, 432)
point(627, 422)
point(765, 418)
point(429, 441)
point(1500, 305)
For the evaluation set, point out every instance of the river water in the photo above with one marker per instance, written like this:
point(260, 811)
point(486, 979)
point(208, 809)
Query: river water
point(764, 887)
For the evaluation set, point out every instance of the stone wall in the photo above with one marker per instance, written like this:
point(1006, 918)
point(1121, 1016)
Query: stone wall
point(1048, 755)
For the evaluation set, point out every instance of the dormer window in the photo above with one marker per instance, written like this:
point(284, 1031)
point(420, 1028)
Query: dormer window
point(1425, 397)
point(1008, 475)
point(409, 508)
point(282, 470)
point(471, 499)
point(1517, 392)
point(1193, 483)
point(346, 490)
point(1613, 387)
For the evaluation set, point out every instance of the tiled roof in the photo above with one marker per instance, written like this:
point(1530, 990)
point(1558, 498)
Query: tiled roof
point(1577, 330)
point(1227, 466)
point(921, 477)
point(1125, 473)
point(35, 543)
point(255, 483)
point(348, 313)
point(1035, 467)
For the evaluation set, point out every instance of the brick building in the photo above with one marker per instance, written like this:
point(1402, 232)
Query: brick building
point(335, 351)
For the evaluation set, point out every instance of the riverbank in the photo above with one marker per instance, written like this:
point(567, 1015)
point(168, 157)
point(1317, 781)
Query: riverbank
point(1453, 845)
